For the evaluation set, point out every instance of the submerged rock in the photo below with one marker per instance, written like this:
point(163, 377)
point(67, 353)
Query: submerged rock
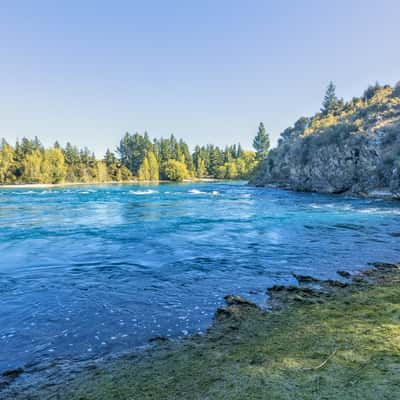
point(385, 266)
point(282, 296)
point(238, 301)
point(13, 373)
point(280, 288)
point(158, 339)
point(344, 274)
point(305, 278)
point(334, 283)
point(305, 291)
point(7, 377)
point(237, 308)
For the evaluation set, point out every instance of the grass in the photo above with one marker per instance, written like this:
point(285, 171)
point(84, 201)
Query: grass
point(345, 345)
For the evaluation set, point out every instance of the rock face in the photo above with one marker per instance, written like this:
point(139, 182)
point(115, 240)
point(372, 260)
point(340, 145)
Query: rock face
point(355, 164)
point(341, 157)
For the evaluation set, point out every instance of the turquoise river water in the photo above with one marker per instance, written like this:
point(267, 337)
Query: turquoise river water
point(87, 271)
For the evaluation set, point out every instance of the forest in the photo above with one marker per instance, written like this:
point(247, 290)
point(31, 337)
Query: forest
point(136, 158)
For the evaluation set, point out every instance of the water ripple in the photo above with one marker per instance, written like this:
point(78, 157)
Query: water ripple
point(93, 270)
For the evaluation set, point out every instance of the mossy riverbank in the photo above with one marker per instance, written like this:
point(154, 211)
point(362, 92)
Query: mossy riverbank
point(323, 340)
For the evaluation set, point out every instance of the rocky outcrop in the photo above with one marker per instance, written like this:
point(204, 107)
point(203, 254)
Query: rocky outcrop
point(352, 163)
point(357, 154)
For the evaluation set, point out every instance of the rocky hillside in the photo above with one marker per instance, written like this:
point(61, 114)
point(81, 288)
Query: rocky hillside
point(349, 147)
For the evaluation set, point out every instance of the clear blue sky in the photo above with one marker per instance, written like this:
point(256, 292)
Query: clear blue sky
point(208, 71)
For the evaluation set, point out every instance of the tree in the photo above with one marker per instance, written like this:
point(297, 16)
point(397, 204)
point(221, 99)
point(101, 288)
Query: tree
point(246, 164)
point(102, 172)
point(133, 149)
point(122, 174)
point(221, 172)
point(216, 158)
point(148, 170)
point(153, 166)
point(201, 170)
point(175, 170)
point(32, 165)
point(144, 170)
point(239, 151)
point(330, 99)
point(231, 170)
point(6, 162)
point(185, 156)
point(54, 169)
point(261, 142)
point(109, 158)
point(396, 90)
point(370, 92)
point(164, 153)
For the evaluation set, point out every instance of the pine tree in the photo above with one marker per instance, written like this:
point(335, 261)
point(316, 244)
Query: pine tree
point(261, 142)
point(109, 158)
point(133, 149)
point(330, 99)
point(201, 168)
point(239, 151)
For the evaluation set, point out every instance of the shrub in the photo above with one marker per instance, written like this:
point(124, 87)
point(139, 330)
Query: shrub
point(175, 170)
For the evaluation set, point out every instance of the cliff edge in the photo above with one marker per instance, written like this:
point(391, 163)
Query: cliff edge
point(348, 147)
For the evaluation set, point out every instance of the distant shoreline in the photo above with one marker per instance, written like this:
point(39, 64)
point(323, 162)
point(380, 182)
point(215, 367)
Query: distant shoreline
point(133, 182)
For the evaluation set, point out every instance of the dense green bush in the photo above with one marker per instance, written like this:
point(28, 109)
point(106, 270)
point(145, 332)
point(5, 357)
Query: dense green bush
point(175, 171)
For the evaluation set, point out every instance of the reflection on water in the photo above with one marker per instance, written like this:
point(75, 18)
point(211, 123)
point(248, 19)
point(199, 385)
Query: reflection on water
point(92, 270)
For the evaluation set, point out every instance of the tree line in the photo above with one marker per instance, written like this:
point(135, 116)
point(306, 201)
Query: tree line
point(137, 158)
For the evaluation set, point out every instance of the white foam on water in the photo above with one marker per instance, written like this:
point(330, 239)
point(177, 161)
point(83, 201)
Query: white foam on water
point(349, 208)
point(379, 211)
point(142, 192)
point(87, 191)
point(333, 207)
point(22, 193)
point(196, 191)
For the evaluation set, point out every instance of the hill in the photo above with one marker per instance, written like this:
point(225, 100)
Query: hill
point(348, 147)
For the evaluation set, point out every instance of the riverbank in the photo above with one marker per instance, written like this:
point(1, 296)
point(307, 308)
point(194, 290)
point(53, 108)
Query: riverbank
point(323, 339)
point(132, 182)
point(383, 193)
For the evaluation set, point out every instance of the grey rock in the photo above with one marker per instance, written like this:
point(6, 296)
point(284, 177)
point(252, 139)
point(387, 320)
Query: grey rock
point(362, 163)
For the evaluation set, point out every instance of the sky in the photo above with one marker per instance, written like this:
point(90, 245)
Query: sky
point(207, 71)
